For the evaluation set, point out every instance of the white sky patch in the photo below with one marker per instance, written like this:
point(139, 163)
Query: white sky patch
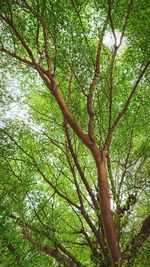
point(12, 111)
point(16, 110)
point(13, 107)
point(96, 25)
point(51, 159)
point(112, 204)
point(10, 108)
point(109, 40)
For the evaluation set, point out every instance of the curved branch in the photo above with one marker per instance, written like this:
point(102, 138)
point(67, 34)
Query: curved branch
point(50, 251)
point(18, 35)
point(138, 240)
point(22, 60)
point(46, 249)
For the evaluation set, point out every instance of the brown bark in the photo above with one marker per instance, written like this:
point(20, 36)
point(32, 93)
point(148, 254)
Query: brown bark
point(70, 119)
point(106, 213)
point(79, 168)
point(67, 260)
point(138, 240)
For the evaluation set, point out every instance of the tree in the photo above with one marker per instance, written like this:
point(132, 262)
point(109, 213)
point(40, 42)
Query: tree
point(75, 168)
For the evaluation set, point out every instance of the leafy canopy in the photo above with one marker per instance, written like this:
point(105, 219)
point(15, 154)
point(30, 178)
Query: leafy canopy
point(50, 202)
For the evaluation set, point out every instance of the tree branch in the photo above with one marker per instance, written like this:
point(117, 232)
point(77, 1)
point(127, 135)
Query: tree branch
point(22, 60)
point(47, 53)
point(111, 85)
point(84, 180)
point(110, 6)
point(20, 38)
point(41, 173)
point(125, 108)
point(93, 83)
point(138, 240)
point(116, 47)
point(126, 21)
point(82, 28)
point(49, 251)
point(52, 86)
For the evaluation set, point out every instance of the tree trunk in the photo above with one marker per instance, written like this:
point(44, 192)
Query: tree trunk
point(104, 198)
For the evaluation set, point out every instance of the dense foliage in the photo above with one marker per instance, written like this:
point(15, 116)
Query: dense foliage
point(74, 95)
